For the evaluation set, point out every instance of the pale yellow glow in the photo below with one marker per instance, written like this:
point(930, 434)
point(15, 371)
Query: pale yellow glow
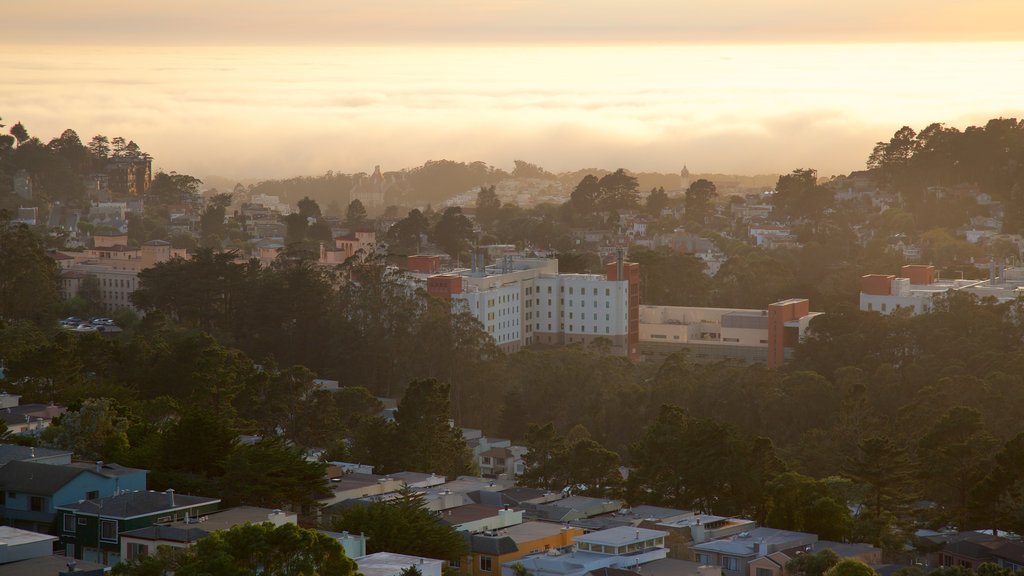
point(259, 112)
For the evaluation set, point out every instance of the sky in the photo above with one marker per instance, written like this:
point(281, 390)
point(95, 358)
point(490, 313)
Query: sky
point(250, 89)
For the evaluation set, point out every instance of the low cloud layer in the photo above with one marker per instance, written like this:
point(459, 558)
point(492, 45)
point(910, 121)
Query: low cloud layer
point(257, 113)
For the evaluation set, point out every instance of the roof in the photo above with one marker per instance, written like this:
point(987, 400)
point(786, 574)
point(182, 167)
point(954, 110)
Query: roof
point(158, 532)
point(1013, 551)
point(36, 478)
point(746, 543)
point(157, 243)
point(496, 453)
point(469, 513)
point(136, 504)
point(17, 414)
point(669, 567)
point(390, 563)
point(50, 565)
point(109, 470)
point(495, 545)
point(10, 452)
point(620, 536)
point(522, 493)
point(10, 536)
point(971, 549)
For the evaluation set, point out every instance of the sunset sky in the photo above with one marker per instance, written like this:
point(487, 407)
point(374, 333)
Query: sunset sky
point(254, 88)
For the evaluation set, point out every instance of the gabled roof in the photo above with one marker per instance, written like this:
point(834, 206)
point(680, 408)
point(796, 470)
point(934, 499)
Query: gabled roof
point(493, 545)
point(136, 504)
point(35, 478)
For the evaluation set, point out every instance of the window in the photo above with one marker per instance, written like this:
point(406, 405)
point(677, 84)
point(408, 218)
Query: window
point(704, 559)
point(82, 521)
point(35, 503)
point(108, 530)
point(455, 563)
point(137, 551)
point(485, 563)
point(92, 495)
point(69, 523)
point(729, 563)
point(764, 572)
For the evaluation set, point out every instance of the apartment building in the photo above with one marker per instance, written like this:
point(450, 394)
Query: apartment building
point(918, 286)
point(717, 334)
point(522, 301)
point(114, 264)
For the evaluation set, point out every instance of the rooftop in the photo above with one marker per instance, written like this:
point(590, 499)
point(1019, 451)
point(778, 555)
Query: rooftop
point(746, 543)
point(49, 565)
point(390, 563)
point(620, 536)
point(138, 503)
point(15, 536)
point(10, 452)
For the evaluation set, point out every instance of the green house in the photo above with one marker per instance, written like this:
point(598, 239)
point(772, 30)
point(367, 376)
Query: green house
point(91, 529)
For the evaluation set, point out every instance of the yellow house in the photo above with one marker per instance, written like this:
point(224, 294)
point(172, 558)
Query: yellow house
point(490, 549)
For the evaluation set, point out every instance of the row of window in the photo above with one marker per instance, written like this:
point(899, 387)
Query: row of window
point(108, 528)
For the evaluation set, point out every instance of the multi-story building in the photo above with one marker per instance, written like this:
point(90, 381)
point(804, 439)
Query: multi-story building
point(716, 334)
point(129, 176)
point(917, 287)
point(114, 264)
point(489, 550)
point(526, 301)
point(91, 529)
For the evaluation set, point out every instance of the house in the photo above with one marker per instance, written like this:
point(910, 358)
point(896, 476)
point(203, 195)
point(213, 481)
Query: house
point(481, 517)
point(572, 508)
point(30, 419)
point(734, 554)
point(30, 492)
point(502, 462)
point(686, 531)
point(358, 485)
point(494, 548)
point(354, 544)
point(12, 452)
point(391, 564)
point(621, 547)
point(91, 530)
point(184, 533)
point(774, 564)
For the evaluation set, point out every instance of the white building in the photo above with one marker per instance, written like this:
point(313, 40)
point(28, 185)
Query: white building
point(525, 301)
point(917, 288)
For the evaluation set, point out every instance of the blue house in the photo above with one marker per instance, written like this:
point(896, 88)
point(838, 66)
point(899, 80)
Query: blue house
point(30, 492)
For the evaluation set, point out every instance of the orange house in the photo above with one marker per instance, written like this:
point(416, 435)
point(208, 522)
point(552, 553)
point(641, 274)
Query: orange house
point(490, 549)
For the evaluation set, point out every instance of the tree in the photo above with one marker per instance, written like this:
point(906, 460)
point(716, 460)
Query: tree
point(403, 525)
point(812, 564)
point(99, 147)
point(954, 454)
point(619, 191)
point(487, 206)
point(168, 189)
point(97, 430)
point(28, 283)
point(423, 427)
point(284, 550)
point(585, 196)
point(656, 201)
point(20, 133)
point(355, 214)
point(404, 236)
point(453, 231)
point(211, 221)
point(698, 200)
point(886, 470)
point(850, 567)
point(308, 208)
point(798, 195)
point(271, 474)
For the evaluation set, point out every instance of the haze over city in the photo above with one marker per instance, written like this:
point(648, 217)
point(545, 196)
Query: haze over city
point(255, 90)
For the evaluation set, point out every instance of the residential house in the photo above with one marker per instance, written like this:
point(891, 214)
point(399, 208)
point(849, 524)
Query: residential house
point(12, 452)
point(572, 508)
point(29, 419)
point(391, 564)
point(489, 550)
point(358, 485)
point(621, 547)
point(186, 532)
point(91, 530)
point(686, 531)
point(774, 564)
point(735, 553)
point(354, 544)
point(30, 492)
point(481, 517)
